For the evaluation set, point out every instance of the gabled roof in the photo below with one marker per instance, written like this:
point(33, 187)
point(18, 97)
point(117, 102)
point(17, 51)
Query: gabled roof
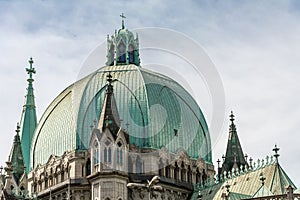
point(248, 182)
point(262, 192)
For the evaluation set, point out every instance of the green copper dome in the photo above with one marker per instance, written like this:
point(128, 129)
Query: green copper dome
point(155, 110)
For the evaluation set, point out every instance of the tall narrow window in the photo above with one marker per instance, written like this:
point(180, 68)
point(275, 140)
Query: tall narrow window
point(122, 53)
point(119, 153)
point(105, 155)
point(121, 156)
point(112, 54)
point(96, 153)
point(109, 154)
point(138, 165)
point(131, 54)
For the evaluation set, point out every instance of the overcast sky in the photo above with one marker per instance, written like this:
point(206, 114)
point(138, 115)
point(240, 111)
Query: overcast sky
point(254, 45)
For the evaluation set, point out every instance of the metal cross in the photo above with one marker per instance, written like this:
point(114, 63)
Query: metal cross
point(276, 149)
point(30, 70)
point(123, 17)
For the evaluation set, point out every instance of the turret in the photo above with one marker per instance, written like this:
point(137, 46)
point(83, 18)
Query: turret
point(28, 119)
point(16, 157)
point(234, 157)
point(122, 47)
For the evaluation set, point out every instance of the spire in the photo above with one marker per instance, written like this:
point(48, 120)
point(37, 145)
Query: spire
point(234, 157)
point(123, 17)
point(109, 117)
point(28, 118)
point(16, 157)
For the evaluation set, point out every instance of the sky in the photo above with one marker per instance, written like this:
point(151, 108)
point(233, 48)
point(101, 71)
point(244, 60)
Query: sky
point(254, 46)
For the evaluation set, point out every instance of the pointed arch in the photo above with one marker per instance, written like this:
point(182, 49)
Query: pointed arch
point(131, 54)
point(121, 52)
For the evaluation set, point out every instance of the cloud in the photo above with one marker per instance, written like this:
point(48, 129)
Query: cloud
point(254, 45)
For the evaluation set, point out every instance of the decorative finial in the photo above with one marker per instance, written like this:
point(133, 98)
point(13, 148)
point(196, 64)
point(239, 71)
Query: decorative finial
point(30, 70)
point(109, 78)
point(123, 16)
point(246, 157)
point(223, 157)
point(18, 128)
point(227, 186)
point(231, 117)
point(218, 161)
point(276, 149)
point(262, 178)
point(250, 160)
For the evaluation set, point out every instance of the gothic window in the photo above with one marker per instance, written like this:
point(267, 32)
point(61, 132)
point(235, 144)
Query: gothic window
point(138, 165)
point(131, 54)
point(176, 171)
point(168, 171)
point(190, 175)
point(160, 168)
point(112, 54)
point(96, 155)
point(182, 172)
point(122, 53)
point(119, 153)
point(88, 167)
point(107, 152)
point(198, 176)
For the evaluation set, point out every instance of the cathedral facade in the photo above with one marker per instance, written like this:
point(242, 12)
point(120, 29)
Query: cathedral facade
point(125, 132)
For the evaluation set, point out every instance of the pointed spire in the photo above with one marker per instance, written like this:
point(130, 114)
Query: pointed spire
point(123, 17)
point(109, 117)
point(16, 157)
point(28, 118)
point(234, 157)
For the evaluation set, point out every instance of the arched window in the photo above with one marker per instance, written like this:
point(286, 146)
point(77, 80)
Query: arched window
point(96, 155)
point(168, 171)
point(122, 53)
point(176, 171)
point(112, 54)
point(88, 167)
point(105, 155)
point(182, 172)
point(190, 175)
point(198, 175)
point(119, 153)
point(138, 165)
point(131, 54)
point(107, 152)
point(121, 156)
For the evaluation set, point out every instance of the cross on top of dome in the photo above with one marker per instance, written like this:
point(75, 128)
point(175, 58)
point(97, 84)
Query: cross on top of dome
point(123, 17)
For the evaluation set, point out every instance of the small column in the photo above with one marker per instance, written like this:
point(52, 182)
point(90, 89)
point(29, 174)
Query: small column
point(290, 192)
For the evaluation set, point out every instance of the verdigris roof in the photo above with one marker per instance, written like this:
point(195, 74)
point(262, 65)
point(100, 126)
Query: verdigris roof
point(157, 110)
point(248, 182)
